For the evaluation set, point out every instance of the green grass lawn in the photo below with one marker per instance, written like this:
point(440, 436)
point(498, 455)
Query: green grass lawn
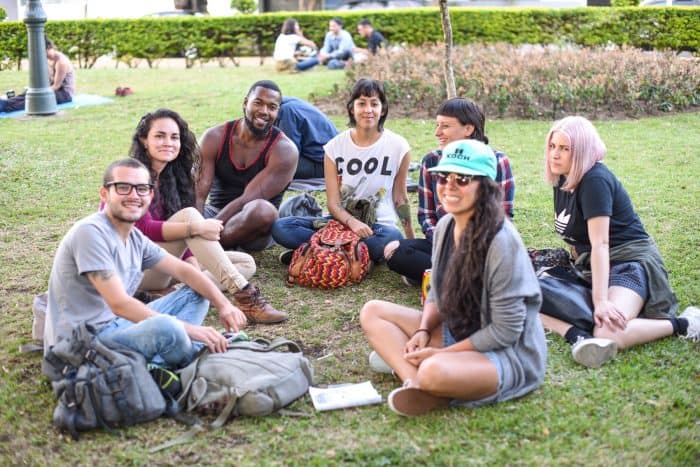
point(640, 409)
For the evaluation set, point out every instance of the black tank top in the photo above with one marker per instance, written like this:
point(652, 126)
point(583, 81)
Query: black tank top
point(230, 180)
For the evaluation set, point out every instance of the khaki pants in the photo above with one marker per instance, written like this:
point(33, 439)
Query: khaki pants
point(229, 270)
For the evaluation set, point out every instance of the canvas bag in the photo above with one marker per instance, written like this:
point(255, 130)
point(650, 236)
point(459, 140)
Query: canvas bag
point(100, 383)
point(250, 378)
point(334, 257)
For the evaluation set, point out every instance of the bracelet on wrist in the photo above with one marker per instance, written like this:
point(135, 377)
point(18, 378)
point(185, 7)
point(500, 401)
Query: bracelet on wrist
point(426, 330)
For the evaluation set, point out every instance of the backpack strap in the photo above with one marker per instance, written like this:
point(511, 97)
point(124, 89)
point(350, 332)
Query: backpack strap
point(225, 413)
point(266, 346)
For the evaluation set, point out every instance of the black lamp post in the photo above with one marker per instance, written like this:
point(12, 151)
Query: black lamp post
point(40, 98)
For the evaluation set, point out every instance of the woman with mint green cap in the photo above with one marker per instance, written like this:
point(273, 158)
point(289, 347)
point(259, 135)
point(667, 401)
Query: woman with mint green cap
point(479, 339)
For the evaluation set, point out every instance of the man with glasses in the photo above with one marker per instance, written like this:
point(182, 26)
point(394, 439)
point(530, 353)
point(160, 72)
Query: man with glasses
point(100, 263)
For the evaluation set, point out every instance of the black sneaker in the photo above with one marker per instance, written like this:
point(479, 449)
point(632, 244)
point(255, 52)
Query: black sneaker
point(286, 257)
point(168, 381)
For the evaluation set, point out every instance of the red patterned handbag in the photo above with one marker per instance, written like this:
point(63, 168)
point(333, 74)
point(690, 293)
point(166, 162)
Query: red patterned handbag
point(334, 257)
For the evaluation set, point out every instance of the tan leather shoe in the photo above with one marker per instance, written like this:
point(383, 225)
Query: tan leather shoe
point(256, 308)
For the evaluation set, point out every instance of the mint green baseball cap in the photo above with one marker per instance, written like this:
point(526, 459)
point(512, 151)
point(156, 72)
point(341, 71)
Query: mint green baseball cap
point(467, 157)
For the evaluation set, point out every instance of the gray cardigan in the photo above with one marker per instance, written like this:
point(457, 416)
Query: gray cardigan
point(510, 305)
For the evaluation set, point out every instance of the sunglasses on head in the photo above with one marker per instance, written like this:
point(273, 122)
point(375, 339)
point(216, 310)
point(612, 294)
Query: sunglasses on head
point(460, 180)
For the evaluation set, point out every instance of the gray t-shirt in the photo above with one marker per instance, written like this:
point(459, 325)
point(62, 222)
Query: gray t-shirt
point(92, 244)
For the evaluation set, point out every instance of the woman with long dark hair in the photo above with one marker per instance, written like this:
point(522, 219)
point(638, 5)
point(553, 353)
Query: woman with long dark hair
point(479, 339)
point(164, 143)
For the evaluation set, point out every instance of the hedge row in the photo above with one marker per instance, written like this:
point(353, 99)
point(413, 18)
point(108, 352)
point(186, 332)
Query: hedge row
point(254, 35)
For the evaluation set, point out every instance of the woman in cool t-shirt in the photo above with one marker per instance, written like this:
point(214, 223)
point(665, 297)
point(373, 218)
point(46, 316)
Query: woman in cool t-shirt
point(632, 300)
point(369, 161)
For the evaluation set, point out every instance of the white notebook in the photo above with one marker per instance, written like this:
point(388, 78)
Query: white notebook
point(344, 395)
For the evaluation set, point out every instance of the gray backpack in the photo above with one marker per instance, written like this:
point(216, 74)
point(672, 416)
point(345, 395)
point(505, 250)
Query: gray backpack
point(250, 378)
point(100, 383)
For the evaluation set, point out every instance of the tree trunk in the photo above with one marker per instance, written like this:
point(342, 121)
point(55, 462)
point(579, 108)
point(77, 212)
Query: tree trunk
point(448, 69)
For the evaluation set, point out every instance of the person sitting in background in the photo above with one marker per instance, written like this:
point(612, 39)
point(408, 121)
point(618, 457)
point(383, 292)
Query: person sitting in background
point(375, 40)
point(61, 80)
point(456, 119)
point(336, 51)
point(310, 130)
point(286, 45)
point(164, 143)
point(629, 289)
point(479, 339)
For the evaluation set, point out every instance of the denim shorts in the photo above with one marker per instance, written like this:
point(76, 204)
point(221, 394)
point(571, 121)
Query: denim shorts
point(447, 340)
point(631, 276)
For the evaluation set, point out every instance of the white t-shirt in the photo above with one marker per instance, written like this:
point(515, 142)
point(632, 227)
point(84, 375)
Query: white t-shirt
point(285, 46)
point(370, 169)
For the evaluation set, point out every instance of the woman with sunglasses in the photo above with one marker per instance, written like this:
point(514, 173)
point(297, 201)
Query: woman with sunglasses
point(368, 161)
point(456, 119)
point(479, 339)
point(164, 143)
point(615, 258)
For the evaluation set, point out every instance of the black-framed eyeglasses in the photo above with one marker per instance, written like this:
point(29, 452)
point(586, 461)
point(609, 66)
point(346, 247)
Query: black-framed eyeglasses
point(460, 180)
point(123, 188)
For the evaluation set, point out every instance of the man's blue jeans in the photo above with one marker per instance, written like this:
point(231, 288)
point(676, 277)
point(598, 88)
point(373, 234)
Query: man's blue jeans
point(290, 232)
point(163, 337)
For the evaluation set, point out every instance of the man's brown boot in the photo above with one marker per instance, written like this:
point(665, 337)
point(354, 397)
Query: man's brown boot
point(256, 308)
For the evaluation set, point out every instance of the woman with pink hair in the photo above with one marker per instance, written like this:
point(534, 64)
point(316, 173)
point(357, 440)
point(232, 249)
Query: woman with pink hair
point(615, 259)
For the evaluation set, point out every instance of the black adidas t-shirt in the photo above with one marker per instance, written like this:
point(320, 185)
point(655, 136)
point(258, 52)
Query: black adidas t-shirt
point(599, 193)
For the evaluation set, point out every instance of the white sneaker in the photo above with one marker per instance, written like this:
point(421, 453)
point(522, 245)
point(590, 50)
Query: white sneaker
point(692, 314)
point(376, 363)
point(594, 352)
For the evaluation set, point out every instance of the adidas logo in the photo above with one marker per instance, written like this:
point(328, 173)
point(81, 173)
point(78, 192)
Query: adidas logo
point(561, 221)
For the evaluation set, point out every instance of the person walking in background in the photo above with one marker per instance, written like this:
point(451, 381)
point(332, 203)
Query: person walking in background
point(369, 161)
point(61, 80)
point(479, 339)
point(632, 299)
point(310, 130)
point(374, 38)
point(336, 51)
point(286, 45)
point(164, 143)
point(457, 118)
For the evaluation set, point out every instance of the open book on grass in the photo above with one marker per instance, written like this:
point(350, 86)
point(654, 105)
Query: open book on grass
point(344, 395)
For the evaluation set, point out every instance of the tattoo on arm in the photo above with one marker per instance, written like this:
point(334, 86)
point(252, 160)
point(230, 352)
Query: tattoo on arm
point(101, 275)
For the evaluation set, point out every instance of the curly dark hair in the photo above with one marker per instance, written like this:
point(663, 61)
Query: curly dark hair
point(176, 181)
point(463, 276)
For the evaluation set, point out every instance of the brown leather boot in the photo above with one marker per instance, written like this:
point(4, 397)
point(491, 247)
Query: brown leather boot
point(256, 308)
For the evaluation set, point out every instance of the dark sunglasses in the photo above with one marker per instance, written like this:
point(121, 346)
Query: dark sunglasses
point(460, 180)
point(123, 188)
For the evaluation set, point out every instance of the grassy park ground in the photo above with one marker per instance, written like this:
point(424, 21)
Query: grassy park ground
point(642, 409)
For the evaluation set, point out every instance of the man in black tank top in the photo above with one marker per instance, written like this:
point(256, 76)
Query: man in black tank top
point(247, 165)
